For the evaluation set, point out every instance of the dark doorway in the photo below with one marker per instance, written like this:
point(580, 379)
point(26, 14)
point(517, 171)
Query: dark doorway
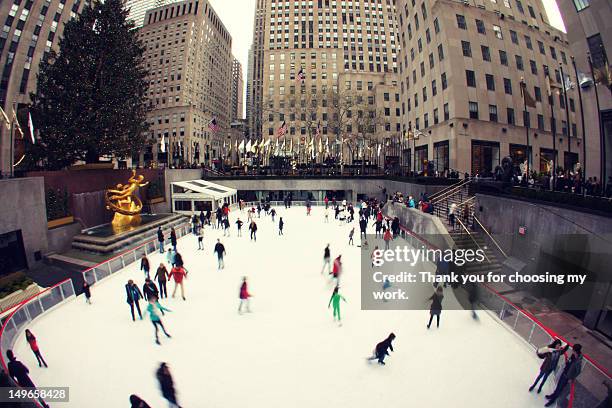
point(12, 253)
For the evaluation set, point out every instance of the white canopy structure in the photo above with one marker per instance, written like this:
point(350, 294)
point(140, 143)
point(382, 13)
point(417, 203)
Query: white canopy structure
point(200, 195)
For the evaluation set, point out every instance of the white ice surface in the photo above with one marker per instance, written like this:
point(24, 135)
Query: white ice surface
point(288, 352)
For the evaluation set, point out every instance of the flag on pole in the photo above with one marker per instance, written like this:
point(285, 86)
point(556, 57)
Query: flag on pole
point(301, 76)
point(267, 143)
point(5, 118)
point(248, 146)
point(282, 130)
point(291, 146)
point(17, 125)
point(213, 125)
point(567, 83)
point(31, 126)
point(379, 148)
point(162, 147)
point(241, 147)
point(529, 101)
point(318, 131)
point(320, 145)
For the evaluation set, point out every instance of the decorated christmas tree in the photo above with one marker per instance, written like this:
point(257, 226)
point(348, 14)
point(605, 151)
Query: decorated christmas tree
point(91, 95)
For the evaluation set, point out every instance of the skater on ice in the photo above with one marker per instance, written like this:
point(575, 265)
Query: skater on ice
point(133, 298)
point(201, 239)
point(253, 229)
point(173, 238)
point(436, 306)
point(551, 355)
point(31, 339)
point(162, 276)
point(337, 268)
point(144, 266)
point(160, 239)
point(166, 384)
point(571, 371)
point(281, 225)
point(239, 224)
point(138, 402)
point(220, 251)
point(149, 289)
point(326, 259)
point(334, 301)
point(154, 308)
point(382, 349)
point(351, 234)
point(87, 292)
point(179, 274)
point(244, 296)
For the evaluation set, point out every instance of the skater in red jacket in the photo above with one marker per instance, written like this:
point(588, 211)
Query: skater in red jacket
point(31, 339)
point(179, 274)
point(244, 296)
point(337, 268)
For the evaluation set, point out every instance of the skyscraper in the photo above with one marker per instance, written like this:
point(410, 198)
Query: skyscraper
point(31, 29)
point(590, 35)
point(329, 70)
point(255, 73)
point(461, 66)
point(237, 91)
point(188, 55)
point(138, 8)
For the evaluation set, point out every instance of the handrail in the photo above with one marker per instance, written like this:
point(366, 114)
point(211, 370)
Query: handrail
point(531, 317)
point(490, 236)
point(17, 309)
point(450, 192)
point(434, 197)
point(472, 238)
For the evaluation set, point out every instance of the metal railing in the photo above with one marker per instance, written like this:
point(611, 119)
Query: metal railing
point(26, 312)
point(447, 192)
point(587, 391)
point(110, 266)
point(490, 237)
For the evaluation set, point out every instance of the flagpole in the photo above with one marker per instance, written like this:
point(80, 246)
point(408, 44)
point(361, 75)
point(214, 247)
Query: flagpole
point(553, 128)
point(602, 141)
point(584, 158)
point(524, 89)
point(567, 116)
point(12, 147)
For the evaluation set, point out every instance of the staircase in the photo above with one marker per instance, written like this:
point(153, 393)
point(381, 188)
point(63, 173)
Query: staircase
point(475, 241)
point(459, 194)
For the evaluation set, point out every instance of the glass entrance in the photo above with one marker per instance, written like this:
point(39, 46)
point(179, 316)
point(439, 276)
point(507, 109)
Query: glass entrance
point(485, 157)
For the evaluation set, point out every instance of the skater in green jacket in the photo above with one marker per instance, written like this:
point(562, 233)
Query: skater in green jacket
point(335, 300)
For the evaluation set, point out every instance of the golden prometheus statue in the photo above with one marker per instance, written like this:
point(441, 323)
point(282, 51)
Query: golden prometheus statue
point(124, 203)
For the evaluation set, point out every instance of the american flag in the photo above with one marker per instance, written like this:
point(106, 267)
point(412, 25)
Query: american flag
point(301, 76)
point(282, 130)
point(213, 125)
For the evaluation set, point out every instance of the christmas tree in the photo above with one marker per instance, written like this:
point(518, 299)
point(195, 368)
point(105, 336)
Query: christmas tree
point(91, 95)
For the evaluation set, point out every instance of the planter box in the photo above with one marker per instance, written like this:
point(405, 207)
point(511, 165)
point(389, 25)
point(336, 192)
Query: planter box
point(93, 166)
point(157, 200)
point(59, 222)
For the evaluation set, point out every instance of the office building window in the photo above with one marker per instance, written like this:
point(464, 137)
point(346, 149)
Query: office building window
point(490, 82)
point(467, 49)
point(461, 22)
point(493, 113)
point(470, 78)
point(473, 107)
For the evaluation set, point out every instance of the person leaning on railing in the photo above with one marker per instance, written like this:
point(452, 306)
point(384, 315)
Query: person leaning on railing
point(571, 371)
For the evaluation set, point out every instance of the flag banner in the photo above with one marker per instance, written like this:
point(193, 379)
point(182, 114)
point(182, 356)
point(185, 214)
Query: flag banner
point(17, 125)
point(529, 100)
point(241, 146)
point(213, 125)
point(162, 147)
point(291, 146)
point(248, 146)
point(320, 145)
point(282, 131)
point(301, 76)
point(5, 118)
point(567, 83)
point(584, 80)
point(267, 142)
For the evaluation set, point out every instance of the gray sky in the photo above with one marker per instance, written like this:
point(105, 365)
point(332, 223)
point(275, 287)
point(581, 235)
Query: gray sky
point(237, 15)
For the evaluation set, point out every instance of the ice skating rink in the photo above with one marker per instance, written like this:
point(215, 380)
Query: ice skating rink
point(288, 352)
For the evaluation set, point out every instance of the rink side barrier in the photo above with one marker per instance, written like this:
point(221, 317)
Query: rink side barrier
point(25, 312)
point(118, 262)
point(587, 391)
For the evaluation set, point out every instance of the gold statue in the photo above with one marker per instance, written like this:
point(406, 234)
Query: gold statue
point(125, 204)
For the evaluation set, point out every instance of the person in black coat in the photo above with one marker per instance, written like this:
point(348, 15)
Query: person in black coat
point(173, 238)
point(150, 290)
point(363, 224)
point(133, 297)
point(166, 384)
point(382, 349)
point(253, 229)
point(137, 402)
point(571, 371)
point(160, 238)
point(436, 306)
point(87, 292)
point(18, 371)
point(281, 225)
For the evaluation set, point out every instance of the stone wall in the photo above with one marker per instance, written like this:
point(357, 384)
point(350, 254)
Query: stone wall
point(23, 208)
